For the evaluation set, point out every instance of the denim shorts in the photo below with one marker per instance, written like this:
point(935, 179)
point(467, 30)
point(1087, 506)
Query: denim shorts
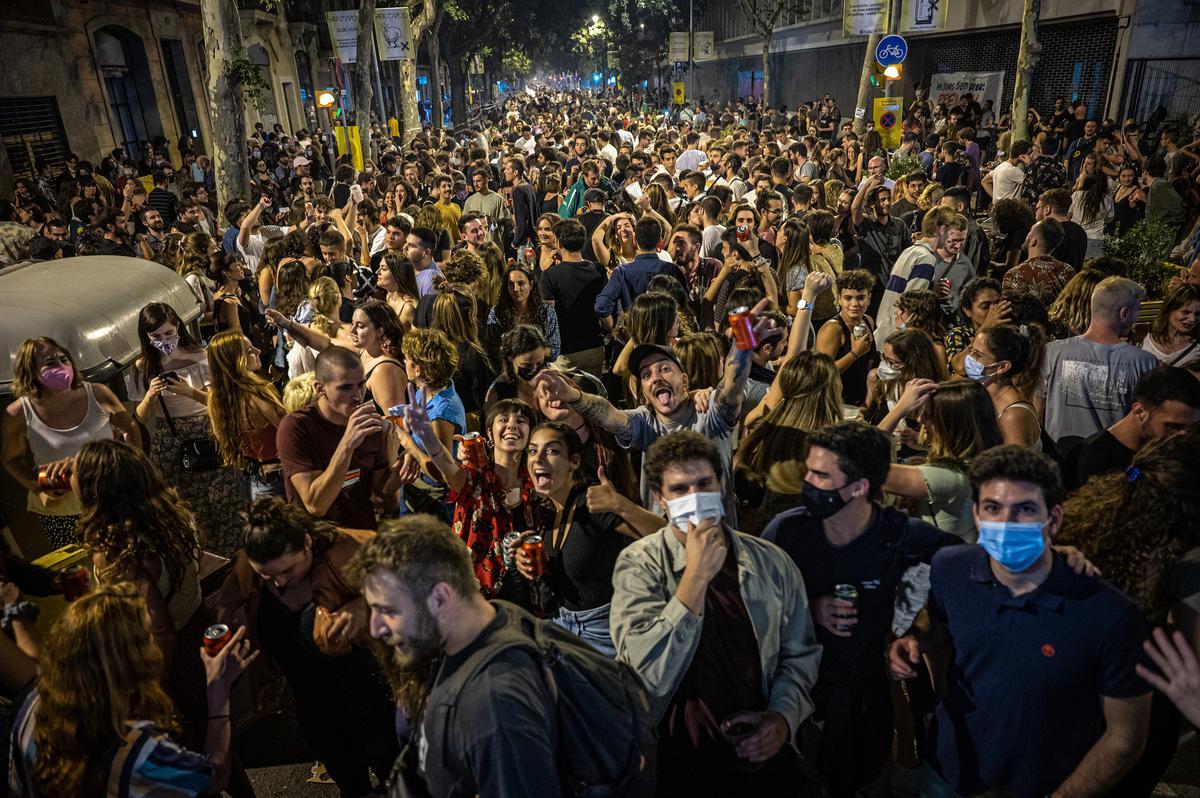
point(591, 626)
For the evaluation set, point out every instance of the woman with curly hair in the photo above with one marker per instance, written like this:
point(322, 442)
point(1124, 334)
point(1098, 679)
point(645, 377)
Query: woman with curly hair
point(374, 335)
point(1071, 311)
point(1012, 220)
point(99, 721)
point(1138, 526)
point(245, 411)
point(922, 310)
point(521, 303)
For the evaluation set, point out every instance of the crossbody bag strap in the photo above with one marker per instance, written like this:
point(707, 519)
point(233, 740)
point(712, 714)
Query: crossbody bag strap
point(167, 415)
point(1183, 354)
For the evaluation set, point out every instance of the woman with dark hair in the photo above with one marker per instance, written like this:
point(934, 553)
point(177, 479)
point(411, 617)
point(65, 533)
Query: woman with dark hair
point(54, 415)
point(1129, 201)
point(193, 262)
point(490, 499)
point(474, 373)
point(231, 308)
point(546, 251)
point(1092, 208)
point(170, 384)
point(399, 280)
point(1139, 528)
point(288, 292)
point(100, 722)
point(1012, 220)
point(652, 319)
point(1174, 336)
point(289, 587)
point(1002, 358)
point(907, 355)
point(521, 303)
point(524, 352)
point(979, 306)
point(958, 422)
point(795, 260)
point(592, 524)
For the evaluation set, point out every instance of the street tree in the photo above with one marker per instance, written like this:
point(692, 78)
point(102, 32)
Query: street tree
point(420, 17)
point(228, 70)
point(364, 87)
point(763, 16)
point(1027, 59)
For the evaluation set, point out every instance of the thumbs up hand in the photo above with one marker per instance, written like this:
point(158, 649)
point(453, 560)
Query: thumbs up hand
point(604, 498)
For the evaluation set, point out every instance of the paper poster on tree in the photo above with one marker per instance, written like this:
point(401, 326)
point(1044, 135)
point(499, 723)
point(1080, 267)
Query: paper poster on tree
point(391, 34)
point(865, 17)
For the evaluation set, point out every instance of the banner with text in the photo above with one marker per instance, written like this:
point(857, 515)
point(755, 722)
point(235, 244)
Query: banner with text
point(343, 32)
point(677, 49)
point(865, 17)
point(391, 34)
point(922, 16)
point(948, 87)
point(706, 48)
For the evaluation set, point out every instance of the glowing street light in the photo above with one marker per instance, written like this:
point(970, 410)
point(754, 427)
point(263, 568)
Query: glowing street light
point(325, 99)
point(595, 19)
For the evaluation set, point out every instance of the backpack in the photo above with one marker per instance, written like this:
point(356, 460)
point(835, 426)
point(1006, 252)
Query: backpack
point(606, 738)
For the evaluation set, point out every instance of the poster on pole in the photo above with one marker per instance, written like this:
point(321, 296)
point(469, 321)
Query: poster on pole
point(391, 34)
point(949, 87)
point(923, 16)
point(343, 32)
point(677, 49)
point(889, 111)
point(865, 17)
point(706, 49)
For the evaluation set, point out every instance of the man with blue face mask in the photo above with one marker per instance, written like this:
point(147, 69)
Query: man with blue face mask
point(717, 625)
point(1042, 697)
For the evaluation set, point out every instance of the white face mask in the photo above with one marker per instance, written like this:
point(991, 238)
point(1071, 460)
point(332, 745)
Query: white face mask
point(695, 507)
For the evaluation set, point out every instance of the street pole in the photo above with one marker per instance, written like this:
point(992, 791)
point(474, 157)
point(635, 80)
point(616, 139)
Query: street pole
point(691, 82)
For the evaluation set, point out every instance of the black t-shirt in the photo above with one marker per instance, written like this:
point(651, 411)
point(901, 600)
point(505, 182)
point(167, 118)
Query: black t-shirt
point(880, 244)
point(580, 570)
point(1099, 454)
point(341, 195)
point(950, 174)
point(1073, 246)
point(590, 221)
point(874, 563)
point(109, 247)
point(573, 288)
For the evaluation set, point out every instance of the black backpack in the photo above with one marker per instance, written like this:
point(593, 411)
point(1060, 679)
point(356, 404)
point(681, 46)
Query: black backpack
point(606, 738)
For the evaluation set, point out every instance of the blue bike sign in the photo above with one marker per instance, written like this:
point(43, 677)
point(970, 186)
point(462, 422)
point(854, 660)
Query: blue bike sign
point(891, 50)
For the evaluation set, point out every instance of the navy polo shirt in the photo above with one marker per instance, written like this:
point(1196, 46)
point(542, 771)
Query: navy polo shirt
point(1023, 701)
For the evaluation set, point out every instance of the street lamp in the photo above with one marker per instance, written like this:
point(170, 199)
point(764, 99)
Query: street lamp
point(595, 19)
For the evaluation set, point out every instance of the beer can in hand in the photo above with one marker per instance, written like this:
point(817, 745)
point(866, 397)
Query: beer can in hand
point(536, 550)
point(845, 593)
point(741, 324)
point(474, 448)
point(216, 637)
point(75, 581)
point(859, 330)
point(60, 481)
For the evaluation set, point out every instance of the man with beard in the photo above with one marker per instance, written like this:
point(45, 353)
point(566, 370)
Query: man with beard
point(495, 736)
point(154, 232)
point(1088, 381)
point(115, 241)
point(684, 249)
point(669, 406)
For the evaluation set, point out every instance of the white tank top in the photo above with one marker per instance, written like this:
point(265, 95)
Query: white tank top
point(48, 444)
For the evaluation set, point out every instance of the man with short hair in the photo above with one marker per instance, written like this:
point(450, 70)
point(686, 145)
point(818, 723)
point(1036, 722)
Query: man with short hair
point(253, 236)
point(1163, 203)
point(590, 177)
point(337, 461)
point(881, 236)
point(395, 232)
point(629, 280)
point(334, 248)
point(484, 200)
point(1165, 401)
point(1088, 381)
point(1079, 149)
point(114, 228)
point(571, 288)
point(493, 734)
point(592, 216)
point(1041, 274)
point(710, 209)
point(716, 622)
point(523, 202)
point(419, 245)
point(842, 535)
point(443, 192)
point(698, 271)
point(161, 198)
point(1056, 204)
point(153, 233)
point(917, 267)
point(1042, 697)
point(1004, 182)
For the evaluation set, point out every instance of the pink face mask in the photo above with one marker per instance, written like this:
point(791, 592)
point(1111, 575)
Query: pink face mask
point(58, 378)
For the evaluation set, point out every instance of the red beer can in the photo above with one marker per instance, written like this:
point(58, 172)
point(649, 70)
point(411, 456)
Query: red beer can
point(536, 550)
point(216, 637)
point(75, 581)
point(741, 323)
point(474, 448)
point(60, 481)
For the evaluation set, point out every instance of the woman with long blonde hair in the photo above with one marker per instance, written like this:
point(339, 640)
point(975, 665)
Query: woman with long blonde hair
point(318, 311)
point(660, 203)
point(245, 411)
point(100, 723)
point(1071, 311)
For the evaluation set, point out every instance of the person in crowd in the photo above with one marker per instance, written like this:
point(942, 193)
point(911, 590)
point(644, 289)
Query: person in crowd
point(231, 306)
point(849, 336)
point(430, 361)
point(881, 236)
point(579, 573)
point(1092, 206)
point(245, 412)
point(1078, 727)
point(170, 384)
point(906, 356)
point(654, 318)
point(825, 256)
point(1132, 525)
point(1041, 273)
point(521, 302)
point(629, 280)
point(524, 352)
point(1174, 337)
point(1129, 200)
point(289, 587)
point(399, 283)
point(1055, 203)
point(1165, 401)
point(1005, 358)
point(99, 720)
point(1071, 311)
point(922, 310)
point(545, 253)
point(1088, 381)
point(420, 245)
point(842, 535)
point(717, 624)
point(55, 413)
point(571, 288)
point(475, 372)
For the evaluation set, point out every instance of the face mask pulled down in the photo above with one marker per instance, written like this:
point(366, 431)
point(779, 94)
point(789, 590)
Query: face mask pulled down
point(694, 508)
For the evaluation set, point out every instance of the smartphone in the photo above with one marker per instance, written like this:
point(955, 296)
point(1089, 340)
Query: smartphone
point(634, 191)
point(170, 376)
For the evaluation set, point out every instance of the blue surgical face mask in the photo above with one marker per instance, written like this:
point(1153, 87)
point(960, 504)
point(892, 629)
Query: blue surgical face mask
point(1015, 546)
point(973, 368)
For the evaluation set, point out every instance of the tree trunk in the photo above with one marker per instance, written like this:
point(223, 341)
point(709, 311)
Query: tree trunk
point(364, 89)
point(458, 90)
point(410, 122)
point(864, 86)
point(1026, 59)
point(435, 72)
point(226, 104)
point(380, 96)
point(766, 69)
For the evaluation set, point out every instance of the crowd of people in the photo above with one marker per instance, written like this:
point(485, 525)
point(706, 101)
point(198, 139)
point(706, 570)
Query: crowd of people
point(580, 451)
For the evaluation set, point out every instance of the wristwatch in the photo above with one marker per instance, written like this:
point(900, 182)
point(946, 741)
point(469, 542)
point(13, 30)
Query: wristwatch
point(803, 304)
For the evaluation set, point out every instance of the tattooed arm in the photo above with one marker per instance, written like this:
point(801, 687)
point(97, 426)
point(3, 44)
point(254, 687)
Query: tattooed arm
point(552, 386)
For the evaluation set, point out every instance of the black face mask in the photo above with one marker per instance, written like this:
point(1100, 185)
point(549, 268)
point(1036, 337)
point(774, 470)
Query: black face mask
point(527, 373)
point(821, 503)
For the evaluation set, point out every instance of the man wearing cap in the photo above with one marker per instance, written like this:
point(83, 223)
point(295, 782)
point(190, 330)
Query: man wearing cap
point(669, 406)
